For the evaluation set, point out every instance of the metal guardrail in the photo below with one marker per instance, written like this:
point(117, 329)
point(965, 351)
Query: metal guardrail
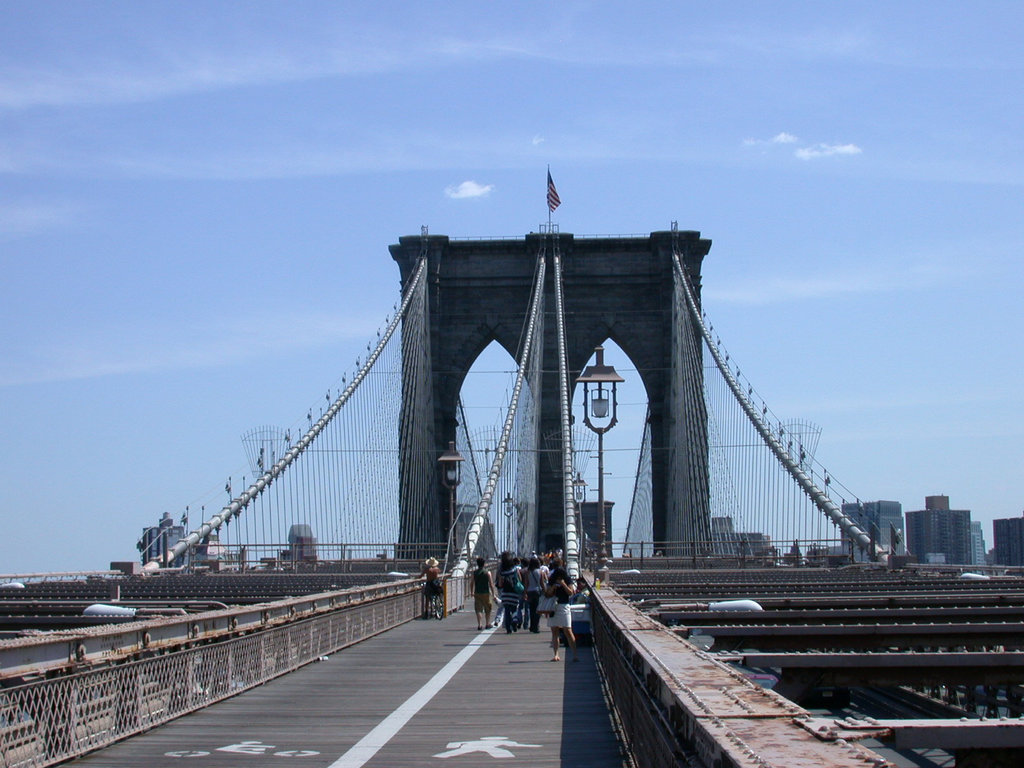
point(112, 683)
point(456, 592)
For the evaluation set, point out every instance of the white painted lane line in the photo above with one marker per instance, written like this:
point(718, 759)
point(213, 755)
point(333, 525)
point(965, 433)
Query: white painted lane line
point(368, 746)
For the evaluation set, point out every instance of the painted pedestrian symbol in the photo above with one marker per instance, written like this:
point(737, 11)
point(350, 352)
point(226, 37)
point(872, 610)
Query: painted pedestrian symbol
point(490, 745)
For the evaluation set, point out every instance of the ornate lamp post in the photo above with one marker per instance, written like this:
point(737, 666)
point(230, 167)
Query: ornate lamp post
point(510, 505)
point(451, 475)
point(579, 493)
point(600, 413)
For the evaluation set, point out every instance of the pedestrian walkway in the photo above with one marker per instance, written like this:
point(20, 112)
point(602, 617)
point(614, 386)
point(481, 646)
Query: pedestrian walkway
point(428, 693)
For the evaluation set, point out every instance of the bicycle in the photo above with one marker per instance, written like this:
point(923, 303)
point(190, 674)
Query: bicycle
point(435, 606)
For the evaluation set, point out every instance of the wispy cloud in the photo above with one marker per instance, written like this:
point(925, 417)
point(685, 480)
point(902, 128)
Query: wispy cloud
point(781, 289)
point(17, 220)
point(807, 151)
point(779, 138)
point(778, 290)
point(826, 150)
point(118, 350)
point(170, 66)
point(26, 88)
point(468, 189)
point(160, 69)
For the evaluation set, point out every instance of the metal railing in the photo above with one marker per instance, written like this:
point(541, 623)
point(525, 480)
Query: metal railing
point(679, 708)
point(734, 552)
point(176, 667)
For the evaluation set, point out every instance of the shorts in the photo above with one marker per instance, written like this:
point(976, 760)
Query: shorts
point(482, 603)
point(562, 617)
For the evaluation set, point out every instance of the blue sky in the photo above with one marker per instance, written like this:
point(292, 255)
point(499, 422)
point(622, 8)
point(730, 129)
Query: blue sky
point(196, 202)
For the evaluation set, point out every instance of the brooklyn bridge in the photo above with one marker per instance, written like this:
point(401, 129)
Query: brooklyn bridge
point(746, 617)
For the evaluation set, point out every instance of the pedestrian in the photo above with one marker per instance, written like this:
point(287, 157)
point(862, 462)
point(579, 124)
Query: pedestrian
point(511, 586)
point(483, 589)
point(431, 572)
point(519, 620)
point(560, 587)
point(536, 580)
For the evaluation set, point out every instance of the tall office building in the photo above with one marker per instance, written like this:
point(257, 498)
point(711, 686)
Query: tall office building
point(938, 534)
point(977, 544)
point(1008, 535)
point(879, 520)
point(723, 535)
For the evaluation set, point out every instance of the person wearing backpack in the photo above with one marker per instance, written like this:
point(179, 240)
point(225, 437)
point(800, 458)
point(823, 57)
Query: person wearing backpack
point(511, 591)
point(560, 587)
point(536, 581)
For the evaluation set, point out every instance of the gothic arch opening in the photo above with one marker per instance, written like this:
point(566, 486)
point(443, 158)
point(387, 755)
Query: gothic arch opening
point(484, 396)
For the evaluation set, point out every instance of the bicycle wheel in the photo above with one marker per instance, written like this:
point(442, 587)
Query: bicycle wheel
point(436, 607)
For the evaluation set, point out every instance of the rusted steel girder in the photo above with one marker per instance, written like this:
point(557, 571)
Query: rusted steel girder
point(679, 706)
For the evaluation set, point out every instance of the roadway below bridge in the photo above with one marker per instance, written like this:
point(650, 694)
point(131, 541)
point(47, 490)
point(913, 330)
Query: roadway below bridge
point(426, 693)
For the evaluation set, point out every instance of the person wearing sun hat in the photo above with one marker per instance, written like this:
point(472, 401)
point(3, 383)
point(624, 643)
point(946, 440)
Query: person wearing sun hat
point(432, 573)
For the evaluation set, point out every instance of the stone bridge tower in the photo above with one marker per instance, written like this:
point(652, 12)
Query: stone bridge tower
point(618, 288)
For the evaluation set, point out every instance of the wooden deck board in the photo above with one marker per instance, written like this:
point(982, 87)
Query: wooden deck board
point(508, 688)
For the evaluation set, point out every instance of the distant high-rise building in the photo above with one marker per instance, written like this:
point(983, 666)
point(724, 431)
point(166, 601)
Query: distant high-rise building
point(1008, 535)
point(977, 544)
point(938, 534)
point(301, 543)
point(723, 535)
point(755, 544)
point(590, 522)
point(158, 539)
point(879, 520)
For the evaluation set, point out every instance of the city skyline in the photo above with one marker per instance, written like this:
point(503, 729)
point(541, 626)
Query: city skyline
point(196, 212)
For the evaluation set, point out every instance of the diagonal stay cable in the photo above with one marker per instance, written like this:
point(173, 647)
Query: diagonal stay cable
point(240, 502)
point(820, 499)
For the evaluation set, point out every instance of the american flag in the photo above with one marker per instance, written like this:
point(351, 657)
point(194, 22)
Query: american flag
point(553, 201)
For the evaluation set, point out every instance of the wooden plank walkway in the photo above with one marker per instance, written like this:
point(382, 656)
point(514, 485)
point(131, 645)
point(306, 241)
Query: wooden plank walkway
point(429, 693)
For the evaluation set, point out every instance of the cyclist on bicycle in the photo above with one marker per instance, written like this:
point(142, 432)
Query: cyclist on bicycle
point(432, 573)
